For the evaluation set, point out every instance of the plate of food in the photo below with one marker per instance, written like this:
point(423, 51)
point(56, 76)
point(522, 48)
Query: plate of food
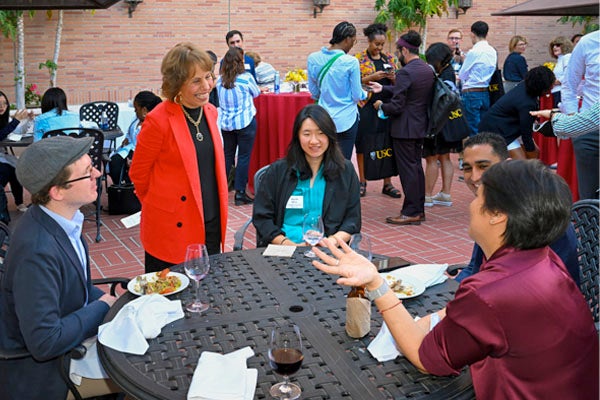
point(164, 282)
point(404, 286)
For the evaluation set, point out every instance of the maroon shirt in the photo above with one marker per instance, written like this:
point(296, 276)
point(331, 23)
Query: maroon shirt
point(524, 328)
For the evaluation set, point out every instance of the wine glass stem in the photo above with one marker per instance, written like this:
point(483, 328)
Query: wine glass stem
point(197, 291)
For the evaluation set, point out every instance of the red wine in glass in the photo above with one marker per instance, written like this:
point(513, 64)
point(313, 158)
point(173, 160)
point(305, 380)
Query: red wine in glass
point(285, 361)
point(285, 357)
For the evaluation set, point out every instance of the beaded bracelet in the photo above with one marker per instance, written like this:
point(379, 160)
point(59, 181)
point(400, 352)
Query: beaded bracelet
point(389, 308)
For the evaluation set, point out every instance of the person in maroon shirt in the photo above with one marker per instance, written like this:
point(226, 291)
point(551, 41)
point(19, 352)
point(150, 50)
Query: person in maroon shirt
point(520, 323)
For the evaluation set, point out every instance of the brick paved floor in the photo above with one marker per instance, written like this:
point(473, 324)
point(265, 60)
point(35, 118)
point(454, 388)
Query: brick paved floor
point(442, 238)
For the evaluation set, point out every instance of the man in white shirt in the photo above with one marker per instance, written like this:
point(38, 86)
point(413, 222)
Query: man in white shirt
point(475, 74)
point(584, 65)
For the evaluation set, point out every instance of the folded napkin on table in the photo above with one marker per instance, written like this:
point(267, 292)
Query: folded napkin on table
point(140, 319)
point(223, 377)
point(429, 274)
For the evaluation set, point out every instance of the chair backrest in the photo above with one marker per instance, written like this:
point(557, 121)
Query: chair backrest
point(258, 175)
point(97, 146)
point(585, 217)
point(238, 237)
point(93, 112)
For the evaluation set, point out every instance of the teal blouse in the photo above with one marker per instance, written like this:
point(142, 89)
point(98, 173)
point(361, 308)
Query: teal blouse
point(312, 204)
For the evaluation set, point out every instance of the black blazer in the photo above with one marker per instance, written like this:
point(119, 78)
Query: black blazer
point(341, 204)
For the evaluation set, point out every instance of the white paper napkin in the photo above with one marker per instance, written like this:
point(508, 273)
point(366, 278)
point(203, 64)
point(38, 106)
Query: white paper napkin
point(223, 377)
point(383, 347)
point(429, 274)
point(140, 319)
point(89, 366)
point(278, 250)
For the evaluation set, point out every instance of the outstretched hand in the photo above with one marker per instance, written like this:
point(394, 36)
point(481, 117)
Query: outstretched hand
point(353, 268)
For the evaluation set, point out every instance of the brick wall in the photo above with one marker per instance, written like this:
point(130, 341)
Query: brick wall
point(106, 55)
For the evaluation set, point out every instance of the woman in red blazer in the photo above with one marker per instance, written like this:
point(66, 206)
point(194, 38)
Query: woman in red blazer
point(178, 167)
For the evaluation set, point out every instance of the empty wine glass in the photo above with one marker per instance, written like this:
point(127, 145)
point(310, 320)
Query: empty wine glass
point(361, 243)
point(312, 232)
point(196, 266)
point(285, 358)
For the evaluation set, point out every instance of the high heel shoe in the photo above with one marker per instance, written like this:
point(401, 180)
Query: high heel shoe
point(242, 198)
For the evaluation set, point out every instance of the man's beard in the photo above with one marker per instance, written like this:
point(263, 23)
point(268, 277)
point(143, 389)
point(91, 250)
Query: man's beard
point(402, 60)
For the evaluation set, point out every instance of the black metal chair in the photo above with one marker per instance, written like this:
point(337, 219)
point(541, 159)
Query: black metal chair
point(238, 242)
point(93, 112)
point(585, 218)
point(96, 155)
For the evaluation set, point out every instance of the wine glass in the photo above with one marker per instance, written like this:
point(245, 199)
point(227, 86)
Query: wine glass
point(361, 243)
point(312, 232)
point(285, 358)
point(196, 266)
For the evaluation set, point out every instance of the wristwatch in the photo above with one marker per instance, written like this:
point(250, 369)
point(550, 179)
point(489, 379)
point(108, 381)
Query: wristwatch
point(377, 293)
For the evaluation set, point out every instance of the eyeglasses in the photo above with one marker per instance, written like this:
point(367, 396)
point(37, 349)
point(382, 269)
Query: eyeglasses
point(454, 38)
point(78, 179)
point(521, 44)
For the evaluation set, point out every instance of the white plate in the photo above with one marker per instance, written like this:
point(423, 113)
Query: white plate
point(417, 285)
point(151, 277)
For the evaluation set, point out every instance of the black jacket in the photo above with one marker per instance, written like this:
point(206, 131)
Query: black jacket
point(341, 204)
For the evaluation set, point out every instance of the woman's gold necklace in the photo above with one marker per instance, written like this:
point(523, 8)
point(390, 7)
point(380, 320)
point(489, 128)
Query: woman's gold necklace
point(199, 135)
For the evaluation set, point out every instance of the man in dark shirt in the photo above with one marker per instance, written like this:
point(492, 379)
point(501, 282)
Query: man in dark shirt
point(410, 97)
point(481, 152)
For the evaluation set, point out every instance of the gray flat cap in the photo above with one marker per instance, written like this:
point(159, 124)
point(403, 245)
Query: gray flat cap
point(41, 162)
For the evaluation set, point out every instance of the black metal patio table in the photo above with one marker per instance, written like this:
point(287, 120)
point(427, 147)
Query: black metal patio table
point(250, 293)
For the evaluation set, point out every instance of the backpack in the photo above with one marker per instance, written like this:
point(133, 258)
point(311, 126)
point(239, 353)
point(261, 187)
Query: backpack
point(444, 100)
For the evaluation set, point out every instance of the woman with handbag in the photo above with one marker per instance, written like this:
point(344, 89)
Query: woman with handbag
point(143, 103)
point(178, 167)
point(437, 150)
point(375, 66)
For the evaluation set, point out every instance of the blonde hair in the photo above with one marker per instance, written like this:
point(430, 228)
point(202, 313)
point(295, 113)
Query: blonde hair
point(178, 65)
point(513, 42)
point(255, 56)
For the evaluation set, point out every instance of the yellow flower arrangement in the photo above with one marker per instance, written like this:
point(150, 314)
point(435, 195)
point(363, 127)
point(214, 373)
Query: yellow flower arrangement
point(550, 65)
point(296, 75)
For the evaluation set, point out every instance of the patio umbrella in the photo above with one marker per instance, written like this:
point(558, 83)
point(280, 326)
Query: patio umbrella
point(55, 4)
point(552, 7)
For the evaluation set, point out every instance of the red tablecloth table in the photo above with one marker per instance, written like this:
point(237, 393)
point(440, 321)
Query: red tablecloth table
point(275, 114)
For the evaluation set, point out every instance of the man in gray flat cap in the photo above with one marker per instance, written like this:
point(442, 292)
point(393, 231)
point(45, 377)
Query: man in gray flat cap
point(47, 302)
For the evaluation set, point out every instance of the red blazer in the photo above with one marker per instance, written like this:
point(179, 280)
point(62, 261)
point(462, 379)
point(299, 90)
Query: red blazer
point(167, 182)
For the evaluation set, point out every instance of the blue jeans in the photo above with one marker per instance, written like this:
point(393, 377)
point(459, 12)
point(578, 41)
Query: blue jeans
point(347, 138)
point(475, 104)
point(242, 140)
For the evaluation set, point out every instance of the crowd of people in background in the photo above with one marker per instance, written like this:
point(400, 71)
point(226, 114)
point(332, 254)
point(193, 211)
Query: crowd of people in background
point(184, 152)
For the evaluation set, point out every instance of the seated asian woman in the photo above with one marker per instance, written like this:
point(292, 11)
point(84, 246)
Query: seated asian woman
point(315, 179)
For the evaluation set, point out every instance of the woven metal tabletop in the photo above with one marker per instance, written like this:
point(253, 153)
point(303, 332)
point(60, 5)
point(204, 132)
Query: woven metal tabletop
point(248, 294)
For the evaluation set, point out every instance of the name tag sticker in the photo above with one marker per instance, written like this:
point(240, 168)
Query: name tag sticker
point(295, 202)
